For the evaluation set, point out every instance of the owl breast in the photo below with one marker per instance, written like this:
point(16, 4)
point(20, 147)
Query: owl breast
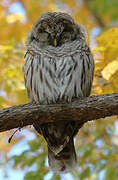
point(52, 79)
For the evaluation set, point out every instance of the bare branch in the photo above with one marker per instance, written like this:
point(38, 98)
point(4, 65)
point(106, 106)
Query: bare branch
point(94, 13)
point(83, 110)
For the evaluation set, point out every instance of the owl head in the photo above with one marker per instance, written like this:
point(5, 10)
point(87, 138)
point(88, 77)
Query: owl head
point(55, 29)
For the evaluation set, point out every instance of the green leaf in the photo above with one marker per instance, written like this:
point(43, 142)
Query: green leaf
point(85, 173)
point(33, 176)
point(110, 174)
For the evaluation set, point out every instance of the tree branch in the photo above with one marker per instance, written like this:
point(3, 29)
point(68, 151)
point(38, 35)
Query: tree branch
point(94, 13)
point(83, 110)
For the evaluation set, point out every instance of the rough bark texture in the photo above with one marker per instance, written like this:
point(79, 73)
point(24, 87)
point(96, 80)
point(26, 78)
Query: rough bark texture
point(83, 110)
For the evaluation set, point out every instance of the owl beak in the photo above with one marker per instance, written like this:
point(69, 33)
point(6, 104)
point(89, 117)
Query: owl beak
point(55, 42)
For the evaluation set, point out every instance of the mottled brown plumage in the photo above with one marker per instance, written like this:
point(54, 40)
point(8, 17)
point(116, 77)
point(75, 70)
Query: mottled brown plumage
point(59, 67)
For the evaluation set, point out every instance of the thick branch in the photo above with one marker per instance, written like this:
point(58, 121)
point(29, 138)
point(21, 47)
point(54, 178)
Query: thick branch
point(83, 110)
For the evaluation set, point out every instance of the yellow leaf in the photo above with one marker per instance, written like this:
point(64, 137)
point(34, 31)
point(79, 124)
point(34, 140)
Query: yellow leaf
point(109, 37)
point(110, 69)
point(109, 40)
point(99, 66)
point(12, 18)
point(99, 49)
point(108, 89)
point(98, 90)
point(5, 47)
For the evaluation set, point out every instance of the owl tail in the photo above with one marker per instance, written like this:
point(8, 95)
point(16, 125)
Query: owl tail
point(59, 137)
point(65, 160)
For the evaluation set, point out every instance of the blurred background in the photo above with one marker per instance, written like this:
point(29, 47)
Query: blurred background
point(97, 142)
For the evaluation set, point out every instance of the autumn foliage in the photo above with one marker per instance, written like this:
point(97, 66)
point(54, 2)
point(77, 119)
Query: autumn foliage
point(98, 155)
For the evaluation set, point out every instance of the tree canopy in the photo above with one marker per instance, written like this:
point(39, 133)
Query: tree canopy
point(97, 142)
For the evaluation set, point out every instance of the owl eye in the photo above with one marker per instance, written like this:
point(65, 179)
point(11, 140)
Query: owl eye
point(65, 34)
point(43, 36)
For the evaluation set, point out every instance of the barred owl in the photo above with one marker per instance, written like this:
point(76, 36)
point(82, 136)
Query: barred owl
point(59, 67)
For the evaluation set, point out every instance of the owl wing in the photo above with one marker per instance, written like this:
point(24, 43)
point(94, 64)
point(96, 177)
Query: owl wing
point(87, 71)
point(40, 79)
point(75, 74)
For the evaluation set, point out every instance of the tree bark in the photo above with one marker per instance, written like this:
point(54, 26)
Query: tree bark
point(82, 109)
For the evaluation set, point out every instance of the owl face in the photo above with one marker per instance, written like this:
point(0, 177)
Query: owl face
point(54, 29)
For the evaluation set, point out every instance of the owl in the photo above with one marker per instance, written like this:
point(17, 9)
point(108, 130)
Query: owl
point(59, 67)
